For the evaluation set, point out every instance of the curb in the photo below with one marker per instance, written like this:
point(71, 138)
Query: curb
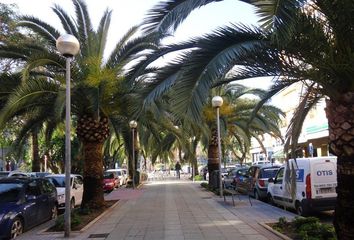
point(282, 236)
point(44, 231)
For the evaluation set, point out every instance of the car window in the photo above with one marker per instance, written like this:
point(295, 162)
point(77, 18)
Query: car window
point(77, 182)
point(108, 175)
point(33, 189)
point(47, 186)
point(10, 192)
point(279, 177)
point(268, 172)
point(57, 181)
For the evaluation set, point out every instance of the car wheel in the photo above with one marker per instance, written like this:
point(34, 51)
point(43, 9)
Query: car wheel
point(72, 203)
point(256, 195)
point(16, 228)
point(270, 200)
point(300, 209)
point(54, 212)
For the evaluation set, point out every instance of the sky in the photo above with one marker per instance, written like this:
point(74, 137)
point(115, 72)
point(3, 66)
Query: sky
point(127, 13)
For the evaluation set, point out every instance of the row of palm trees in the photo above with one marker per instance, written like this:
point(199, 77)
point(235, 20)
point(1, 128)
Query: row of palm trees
point(310, 42)
point(106, 94)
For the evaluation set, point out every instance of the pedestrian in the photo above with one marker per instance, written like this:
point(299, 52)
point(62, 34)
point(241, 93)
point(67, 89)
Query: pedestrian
point(178, 169)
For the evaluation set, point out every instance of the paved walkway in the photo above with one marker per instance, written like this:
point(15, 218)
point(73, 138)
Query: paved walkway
point(176, 210)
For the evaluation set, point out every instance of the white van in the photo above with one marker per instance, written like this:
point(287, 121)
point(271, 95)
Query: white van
point(313, 188)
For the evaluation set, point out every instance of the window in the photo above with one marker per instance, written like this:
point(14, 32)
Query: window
point(47, 187)
point(10, 192)
point(33, 189)
point(279, 177)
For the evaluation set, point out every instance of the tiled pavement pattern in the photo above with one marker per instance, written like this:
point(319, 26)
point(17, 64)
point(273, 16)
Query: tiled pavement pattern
point(176, 210)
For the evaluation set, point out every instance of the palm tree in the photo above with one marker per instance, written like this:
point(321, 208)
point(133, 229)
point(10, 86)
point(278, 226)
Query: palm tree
point(239, 122)
point(300, 41)
point(97, 84)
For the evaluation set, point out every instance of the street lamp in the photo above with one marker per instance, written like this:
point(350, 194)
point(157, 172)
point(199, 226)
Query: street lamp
point(217, 102)
point(133, 124)
point(68, 46)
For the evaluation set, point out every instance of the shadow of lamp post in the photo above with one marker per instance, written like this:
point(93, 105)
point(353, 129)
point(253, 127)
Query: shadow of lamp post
point(68, 46)
point(217, 102)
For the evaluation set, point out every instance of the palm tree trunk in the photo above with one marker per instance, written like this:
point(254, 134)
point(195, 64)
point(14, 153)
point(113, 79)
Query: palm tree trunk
point(36, 162)
point(92, 133)
point(340, 114)
point(194, 159)
point(93, 168)
point(213, 158)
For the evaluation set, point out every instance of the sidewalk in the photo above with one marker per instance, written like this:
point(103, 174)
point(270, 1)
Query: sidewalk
point(172, 209)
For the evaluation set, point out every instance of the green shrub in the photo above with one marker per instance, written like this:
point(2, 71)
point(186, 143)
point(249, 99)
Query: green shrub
point(75, 220)
point(204, 185)
point(198, 178)
point(306, 228)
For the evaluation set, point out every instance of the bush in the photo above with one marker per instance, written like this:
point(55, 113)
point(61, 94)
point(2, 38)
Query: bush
point(305, 229)
point(198, 178)
point(75, 220)
point(204, 185)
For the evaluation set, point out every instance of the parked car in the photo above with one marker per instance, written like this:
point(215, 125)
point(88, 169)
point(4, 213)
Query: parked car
point(25, 203)
point(17, 173)
point(255, 181)
point(123, 178)
point(230, 180)
point(313, 188)
point(110, 181)
point(77, 189)
point(239, 175)
point(4, 174)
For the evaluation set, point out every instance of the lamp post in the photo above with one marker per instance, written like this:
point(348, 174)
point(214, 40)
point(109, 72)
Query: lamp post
point(133, 124)
point(68, 46)
point(217, 102)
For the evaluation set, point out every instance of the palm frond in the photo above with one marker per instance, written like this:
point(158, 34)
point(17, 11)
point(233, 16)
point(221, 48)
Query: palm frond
point(166, 16)
point(66, 21)
point(38, 26)
point(309, 99)
point(102, 31)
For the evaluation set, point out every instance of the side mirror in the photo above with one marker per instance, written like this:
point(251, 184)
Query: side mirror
point(271, 180)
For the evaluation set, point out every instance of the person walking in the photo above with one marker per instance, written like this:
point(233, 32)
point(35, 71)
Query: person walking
point(178, 169)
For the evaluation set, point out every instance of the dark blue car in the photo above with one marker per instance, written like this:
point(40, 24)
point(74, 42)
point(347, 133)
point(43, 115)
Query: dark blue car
point(25, 203)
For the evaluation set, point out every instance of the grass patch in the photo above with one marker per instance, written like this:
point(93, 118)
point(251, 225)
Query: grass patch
point(79, 218)
point(304, 229)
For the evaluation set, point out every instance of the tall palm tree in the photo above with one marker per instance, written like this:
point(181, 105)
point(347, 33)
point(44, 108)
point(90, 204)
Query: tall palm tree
point(300, 41)
point(239, 122)
point(97, 84)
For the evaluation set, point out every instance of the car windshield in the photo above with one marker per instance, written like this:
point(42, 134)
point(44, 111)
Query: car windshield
point(268, 172)
point(108, 175)
point(4, 174)
point(10, 192)
point(58, 181)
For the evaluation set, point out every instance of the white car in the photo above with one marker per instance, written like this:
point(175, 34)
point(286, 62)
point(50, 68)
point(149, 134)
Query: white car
point(123, 177)
point(77, 189)
point(313, 187)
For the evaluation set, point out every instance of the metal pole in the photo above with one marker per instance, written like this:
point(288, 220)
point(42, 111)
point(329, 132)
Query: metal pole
point(67, 218)
point(133, 156)
point(219, 149)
